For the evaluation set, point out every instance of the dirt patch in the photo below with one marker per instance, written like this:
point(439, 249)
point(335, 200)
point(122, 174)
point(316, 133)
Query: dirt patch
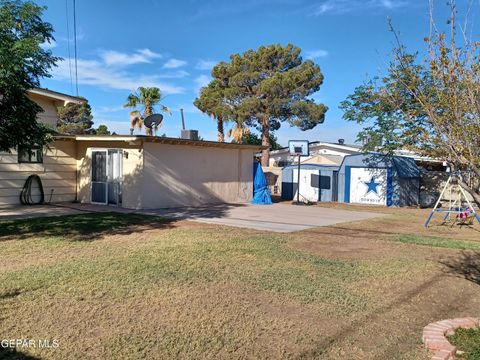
point(366, 239)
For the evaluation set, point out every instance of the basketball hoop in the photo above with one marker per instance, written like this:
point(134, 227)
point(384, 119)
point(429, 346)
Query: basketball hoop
point(298, 148)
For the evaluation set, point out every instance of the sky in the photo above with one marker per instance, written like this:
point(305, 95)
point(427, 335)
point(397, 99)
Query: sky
point(174, 44)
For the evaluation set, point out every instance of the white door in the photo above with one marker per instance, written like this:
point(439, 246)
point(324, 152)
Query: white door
point(368, 186)
point(307, 191)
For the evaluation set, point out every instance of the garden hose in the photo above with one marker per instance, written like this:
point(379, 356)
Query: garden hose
point(26, 194)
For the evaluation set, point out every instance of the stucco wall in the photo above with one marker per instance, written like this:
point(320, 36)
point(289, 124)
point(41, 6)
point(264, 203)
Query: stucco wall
point(177, 175)
point(57, 173)
point(132, 163)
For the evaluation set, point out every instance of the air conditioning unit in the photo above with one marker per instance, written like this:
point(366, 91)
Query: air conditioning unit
point(189, 134)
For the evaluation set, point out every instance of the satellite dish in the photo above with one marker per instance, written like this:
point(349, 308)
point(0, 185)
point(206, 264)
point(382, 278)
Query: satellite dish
point(153, 120)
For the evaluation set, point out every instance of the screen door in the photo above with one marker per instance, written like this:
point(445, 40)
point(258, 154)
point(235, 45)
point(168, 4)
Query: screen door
point(99, 177)
point(107, 177)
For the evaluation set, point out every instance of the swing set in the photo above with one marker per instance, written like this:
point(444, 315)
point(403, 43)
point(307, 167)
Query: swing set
point(460, 210)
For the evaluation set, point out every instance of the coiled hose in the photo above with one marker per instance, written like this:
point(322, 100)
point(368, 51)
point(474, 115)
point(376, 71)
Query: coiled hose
point(26, 194)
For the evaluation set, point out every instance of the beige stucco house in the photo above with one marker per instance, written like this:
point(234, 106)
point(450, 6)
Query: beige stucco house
point(135, 172)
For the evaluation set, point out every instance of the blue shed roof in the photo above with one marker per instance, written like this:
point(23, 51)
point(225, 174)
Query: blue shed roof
point(405, 166)
point(312, 166)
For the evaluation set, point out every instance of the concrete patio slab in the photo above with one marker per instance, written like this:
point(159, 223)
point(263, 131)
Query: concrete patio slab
point(276, 217)
point(57, 209)
point(26, 212)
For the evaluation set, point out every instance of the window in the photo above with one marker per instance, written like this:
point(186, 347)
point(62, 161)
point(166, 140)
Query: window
point(321, 182)
point(33, 155)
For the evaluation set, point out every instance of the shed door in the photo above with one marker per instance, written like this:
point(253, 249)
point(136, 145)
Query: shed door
point(335, 186)
point(307, 191)
point(368, 185)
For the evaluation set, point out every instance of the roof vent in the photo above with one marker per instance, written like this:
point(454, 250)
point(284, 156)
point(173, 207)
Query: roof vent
point(341, 141)
point(189, 134)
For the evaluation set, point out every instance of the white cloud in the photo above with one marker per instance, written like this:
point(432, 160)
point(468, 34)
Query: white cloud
point(315, 54)
point(98, 111)
point(48, 45)
point(205, 64)
point(201, 81)
point(116, 58)
point(344, 6)
point(174, 74)
point(174, 63)
point(323, 8)
point(98, 73)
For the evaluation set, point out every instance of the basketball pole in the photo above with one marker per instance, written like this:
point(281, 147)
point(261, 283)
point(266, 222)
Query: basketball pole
point(298, 181)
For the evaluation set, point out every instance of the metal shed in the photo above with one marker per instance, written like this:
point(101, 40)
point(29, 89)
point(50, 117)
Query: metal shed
point(373, 178)
point(317, 182)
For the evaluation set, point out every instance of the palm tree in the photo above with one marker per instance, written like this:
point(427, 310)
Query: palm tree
point(148, 97)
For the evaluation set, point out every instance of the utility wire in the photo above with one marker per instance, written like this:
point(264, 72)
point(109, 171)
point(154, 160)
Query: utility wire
point(75, 43)
point(68, 44)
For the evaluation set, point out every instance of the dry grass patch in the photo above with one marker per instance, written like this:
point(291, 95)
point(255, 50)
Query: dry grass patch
point(154, 289)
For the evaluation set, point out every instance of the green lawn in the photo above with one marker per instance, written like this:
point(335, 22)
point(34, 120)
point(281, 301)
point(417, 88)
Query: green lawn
point(125, 286)
point(435, 241)
point(467, 341)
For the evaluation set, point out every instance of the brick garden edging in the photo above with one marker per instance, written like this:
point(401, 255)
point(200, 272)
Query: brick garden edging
point(435, 336)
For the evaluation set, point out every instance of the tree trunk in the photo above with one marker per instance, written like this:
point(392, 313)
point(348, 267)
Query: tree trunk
point(266, 142)
point(220, 133)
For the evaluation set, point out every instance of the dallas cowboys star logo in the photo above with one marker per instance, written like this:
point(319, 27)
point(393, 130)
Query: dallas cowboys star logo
point(372, 186)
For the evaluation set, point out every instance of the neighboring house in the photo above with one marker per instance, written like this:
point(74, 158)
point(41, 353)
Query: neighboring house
point(324, 153)
point(136, 172)
point(321, 153)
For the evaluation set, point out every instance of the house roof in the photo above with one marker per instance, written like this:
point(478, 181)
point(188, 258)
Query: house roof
point(139, 139)
point(55, 95)
point(348, 147)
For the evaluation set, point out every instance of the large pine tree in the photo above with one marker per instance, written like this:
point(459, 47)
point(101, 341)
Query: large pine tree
point(269, 86)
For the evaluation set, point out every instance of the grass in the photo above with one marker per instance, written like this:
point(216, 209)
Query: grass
point(440, 242)
point(76, 227)
point(468, 341)
point(110, 286)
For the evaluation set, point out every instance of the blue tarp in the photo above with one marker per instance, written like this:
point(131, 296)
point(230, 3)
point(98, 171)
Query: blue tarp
point(261, 192)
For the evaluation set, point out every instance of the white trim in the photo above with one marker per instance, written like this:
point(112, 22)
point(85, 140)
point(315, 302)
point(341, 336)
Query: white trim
point(56, 95)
